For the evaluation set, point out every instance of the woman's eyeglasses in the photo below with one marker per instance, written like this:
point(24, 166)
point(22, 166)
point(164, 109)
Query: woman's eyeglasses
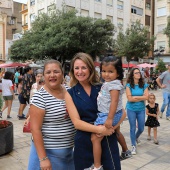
point(137, 73)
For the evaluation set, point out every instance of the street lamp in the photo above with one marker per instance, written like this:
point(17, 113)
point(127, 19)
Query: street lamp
point(158, 52)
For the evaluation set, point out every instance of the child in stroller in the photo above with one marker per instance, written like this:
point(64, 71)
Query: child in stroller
point(153, 84)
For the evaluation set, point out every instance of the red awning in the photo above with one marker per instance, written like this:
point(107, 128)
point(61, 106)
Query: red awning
point(130, 65)
point(12, 65)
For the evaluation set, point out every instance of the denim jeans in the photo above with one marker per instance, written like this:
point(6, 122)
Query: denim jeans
point(61, 159)
point(132, 117)
point(166, 102)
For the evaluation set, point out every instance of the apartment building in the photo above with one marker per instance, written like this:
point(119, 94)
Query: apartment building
point(24, 13)
point(10, 23)
point(162, 12)
point(115, 10)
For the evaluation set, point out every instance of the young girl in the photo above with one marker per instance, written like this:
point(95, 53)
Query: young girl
point(109, 104)
point(152, 110)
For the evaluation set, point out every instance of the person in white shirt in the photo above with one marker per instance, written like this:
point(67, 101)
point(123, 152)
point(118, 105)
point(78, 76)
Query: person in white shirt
point(7, 92)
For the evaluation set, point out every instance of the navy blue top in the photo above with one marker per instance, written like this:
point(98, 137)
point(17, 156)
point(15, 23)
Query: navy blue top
point(83, 153)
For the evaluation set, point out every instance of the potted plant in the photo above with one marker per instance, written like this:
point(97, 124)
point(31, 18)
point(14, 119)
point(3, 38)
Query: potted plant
point(6, 135)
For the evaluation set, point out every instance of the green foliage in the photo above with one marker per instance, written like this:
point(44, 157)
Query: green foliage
point(134, 43)
point(167, 31)
point(63, 34)
point(161, 66)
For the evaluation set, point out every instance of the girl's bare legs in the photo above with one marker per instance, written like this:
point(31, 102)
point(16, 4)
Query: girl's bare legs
point(5, 106)
point(97, 149)
point(149, 133)
point(155, 133)
point(121, 139)
point(9, 106)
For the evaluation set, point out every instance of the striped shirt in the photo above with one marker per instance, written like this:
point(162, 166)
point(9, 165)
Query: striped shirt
point(57, 128)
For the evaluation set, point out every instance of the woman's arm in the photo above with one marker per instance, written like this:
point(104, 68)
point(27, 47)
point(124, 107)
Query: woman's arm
point(36, 120)
point(149, 114)
point(114, 94)
point(136, 98)
point(80, 124)
point(12, 91)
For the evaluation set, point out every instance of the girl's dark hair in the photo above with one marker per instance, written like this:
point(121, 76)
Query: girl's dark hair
point(130, 79)
point(116, 62)
point(8, 75)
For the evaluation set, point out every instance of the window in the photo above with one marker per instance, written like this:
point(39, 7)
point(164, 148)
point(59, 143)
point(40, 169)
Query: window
point(84, 13)
point(147, 20)
point(98, 0)
point(51, 9)
point(161, 12)
point(160, 44)
point(120, 5)
point(110, 18)
point(32, 17)
point(136, 10)
point(119, 23)
point(97, 15)
point(110, 2)
point(32, 2)
point(161, 27)
point(148, 6)
point(41, 11)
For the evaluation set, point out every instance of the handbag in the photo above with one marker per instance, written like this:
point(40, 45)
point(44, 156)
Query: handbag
point(26, 128)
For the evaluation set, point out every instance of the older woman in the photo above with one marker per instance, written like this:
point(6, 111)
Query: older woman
point(137, 94)
point(81, 101)
point(52, 130)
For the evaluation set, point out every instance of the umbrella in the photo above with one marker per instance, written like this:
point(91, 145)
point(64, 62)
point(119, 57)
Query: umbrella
point(130, 65)
point(12, 65)
point(144, 65)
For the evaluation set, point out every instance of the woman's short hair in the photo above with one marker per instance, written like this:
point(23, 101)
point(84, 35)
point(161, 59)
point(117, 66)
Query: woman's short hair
point(53, 62)
point(87, 59)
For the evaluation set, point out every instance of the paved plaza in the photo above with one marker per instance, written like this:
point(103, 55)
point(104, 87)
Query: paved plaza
point(149, 156)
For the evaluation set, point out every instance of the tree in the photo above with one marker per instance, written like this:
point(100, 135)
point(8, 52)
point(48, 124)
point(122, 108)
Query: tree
point(160, 66)
point(134, 43)
point(167, 31)
point(61, 35)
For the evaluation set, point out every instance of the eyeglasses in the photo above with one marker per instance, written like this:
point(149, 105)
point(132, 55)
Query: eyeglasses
point(137, 73)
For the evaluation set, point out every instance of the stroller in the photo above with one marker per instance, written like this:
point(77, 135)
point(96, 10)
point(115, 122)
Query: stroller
point(153, 84)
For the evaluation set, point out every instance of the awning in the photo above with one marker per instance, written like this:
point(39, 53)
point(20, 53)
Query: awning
point(12, 65)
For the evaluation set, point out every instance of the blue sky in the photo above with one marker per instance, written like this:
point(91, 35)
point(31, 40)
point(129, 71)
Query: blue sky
point(22, 1)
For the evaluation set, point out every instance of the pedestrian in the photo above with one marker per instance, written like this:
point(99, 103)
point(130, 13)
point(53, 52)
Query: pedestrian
point(152, 110)
point(16, 77)
point(137, 94)
point(163, 82)
point(109, 102)
point(81, 102)
point(52, 132)
point(25, 93)
point(7, 93)
point(146, 74)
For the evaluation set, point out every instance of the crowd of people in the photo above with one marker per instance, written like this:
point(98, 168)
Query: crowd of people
point(75, 122)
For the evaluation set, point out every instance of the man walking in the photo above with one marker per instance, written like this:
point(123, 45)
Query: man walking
point(163, 82)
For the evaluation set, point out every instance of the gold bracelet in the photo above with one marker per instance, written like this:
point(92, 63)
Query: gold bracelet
point(43, 159)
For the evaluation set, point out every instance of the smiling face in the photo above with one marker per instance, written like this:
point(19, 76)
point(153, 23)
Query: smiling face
point(81, 71)
point(109, 73)
point(53, 75)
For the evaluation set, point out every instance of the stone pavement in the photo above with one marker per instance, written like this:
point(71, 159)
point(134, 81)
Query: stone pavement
point(149, 156)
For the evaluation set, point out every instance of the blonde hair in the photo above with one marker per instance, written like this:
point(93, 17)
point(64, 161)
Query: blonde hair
point(93, 78)
point(151, 94)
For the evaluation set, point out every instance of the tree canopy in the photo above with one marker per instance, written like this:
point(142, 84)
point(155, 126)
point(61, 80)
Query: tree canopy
point(61, 35)
point(160, 66)
point(134, 43)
